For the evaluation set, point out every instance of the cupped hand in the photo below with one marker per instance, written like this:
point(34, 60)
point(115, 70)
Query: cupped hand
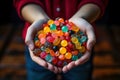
point(87, 28)
point(31, 31)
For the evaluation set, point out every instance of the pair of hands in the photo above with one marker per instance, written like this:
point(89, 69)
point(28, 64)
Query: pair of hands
point(82, 24)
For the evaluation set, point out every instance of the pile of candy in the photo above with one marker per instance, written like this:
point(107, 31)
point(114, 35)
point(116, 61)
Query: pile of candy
point(60, 42)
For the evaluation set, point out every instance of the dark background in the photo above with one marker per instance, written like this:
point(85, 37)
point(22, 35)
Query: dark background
point(107, 49)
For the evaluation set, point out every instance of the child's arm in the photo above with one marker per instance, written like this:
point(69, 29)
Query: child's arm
point(33, 12)
point(89, 12)
point(36, 16)
point(85, 15)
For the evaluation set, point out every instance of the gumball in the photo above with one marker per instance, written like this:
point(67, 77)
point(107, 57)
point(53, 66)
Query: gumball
point(54, 60)
point(43, 55)
point(46, 29)
point(57, 23)
point(52, 27)
point(68, 55)
point(74, 40)
point(50, 39)
point(62, 57)
point(59, 33)
point(62, 50)
point(37, 43)
point(61, 20)
point(56, 41)
point(50, 22)
point(48, 58)
point(74, 57)
point(64, 28)
point(64, 43)
point(75, 52)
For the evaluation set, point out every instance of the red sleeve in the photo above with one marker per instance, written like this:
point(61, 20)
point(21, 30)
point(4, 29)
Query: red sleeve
point(100, 3)
point(18, 4)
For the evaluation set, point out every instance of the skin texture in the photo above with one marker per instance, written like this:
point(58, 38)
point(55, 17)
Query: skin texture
point(87, 14)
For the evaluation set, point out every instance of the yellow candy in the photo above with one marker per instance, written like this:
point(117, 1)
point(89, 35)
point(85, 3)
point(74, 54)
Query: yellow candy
point(68, 55)
point(64, 43)
point(62, 50)
point(74, 40)
point(82, 49)
point(59, 33)
point(78, 46)
point(39, 32)
point(75, 28)
point(47, 50)
point(50, 22)
point(46, 29)
point(56, 41)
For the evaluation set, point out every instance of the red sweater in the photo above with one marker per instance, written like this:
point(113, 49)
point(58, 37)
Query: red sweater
point(57, 8)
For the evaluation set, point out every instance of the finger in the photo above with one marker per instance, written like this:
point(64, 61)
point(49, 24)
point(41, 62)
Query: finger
point(50, 67)
point(69, 66)
point(91, 38)
point(56, 70)
point(83, 59)
point(29, 38)
point(38, 60)
point(65, 69)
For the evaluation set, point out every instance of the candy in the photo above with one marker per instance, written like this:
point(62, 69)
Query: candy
point(74, 57)
point(68, 55)
point(60, 42)
point(46, 29)
point(64, 28)
point(62, 57)
point(48, 58)
point(43, 55)
point(50, 22)
point(64, 43)
point(52, 27)
point(62, 50)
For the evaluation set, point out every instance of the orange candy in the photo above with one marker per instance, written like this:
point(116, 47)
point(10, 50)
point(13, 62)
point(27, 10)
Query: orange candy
point(37, 43)
point(61, 20)
point(52, 53)
point(75, 52)
point(62, 57)
point(68, 55)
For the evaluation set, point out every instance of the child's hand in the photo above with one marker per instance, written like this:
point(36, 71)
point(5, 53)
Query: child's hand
point(88, 29)
point(35, 26)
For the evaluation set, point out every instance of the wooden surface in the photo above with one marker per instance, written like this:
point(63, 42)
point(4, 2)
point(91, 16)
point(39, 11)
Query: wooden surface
point(106, 60)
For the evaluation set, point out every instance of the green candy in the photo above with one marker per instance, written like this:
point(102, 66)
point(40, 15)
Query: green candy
point(52, 27)
point(74, 57)
point(48, 58)
point(64, 28)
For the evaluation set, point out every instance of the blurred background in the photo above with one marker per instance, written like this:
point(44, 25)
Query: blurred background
point(107, 49)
